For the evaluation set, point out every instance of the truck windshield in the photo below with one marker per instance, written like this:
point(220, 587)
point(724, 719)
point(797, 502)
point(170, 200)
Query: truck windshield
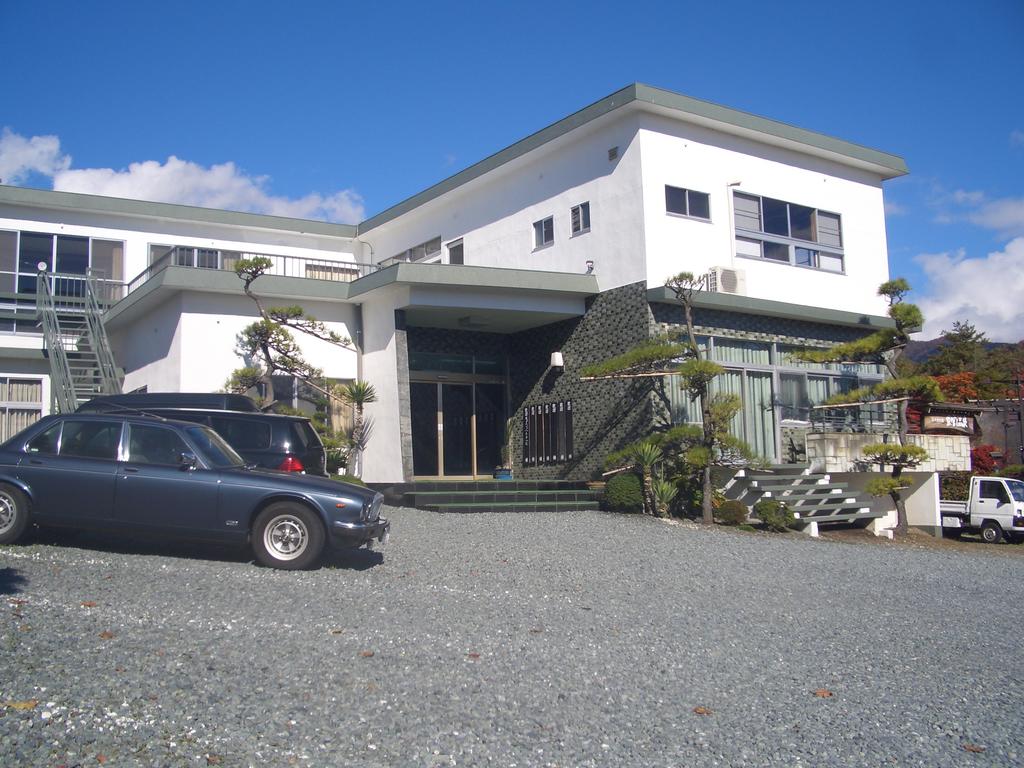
point(1016, 489)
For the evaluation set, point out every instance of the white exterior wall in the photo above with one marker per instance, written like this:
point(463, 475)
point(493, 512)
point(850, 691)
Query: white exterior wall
point(150, 351)
point(494, 214)
point(692, 157)
point(188, 343)
point(382, 461)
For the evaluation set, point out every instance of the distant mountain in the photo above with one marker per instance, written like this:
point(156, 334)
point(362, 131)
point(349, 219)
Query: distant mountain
point(919, 351)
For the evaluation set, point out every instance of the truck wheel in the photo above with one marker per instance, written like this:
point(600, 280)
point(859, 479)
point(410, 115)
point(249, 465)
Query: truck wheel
point(13, 514)
point(991, 532)
point(288, 536)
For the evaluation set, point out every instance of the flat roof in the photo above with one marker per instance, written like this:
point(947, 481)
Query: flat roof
point(731, 302)
point(636, 95)
point(76, 201)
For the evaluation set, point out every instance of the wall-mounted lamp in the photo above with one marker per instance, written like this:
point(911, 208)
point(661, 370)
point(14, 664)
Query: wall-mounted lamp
point(557, 361)
point(590, 266)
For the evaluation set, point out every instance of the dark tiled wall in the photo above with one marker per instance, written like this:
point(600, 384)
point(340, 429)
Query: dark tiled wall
point(606, 414)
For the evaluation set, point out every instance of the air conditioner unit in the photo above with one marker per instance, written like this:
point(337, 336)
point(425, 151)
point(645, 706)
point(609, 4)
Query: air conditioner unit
point(727, 280)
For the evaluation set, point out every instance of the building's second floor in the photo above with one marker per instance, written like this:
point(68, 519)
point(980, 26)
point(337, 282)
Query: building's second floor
point(636, 187)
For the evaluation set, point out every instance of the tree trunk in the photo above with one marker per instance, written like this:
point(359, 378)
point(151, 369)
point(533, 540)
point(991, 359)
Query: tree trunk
point(901, 423)
point(649, 505)
point(708, 490)
point(901, 508)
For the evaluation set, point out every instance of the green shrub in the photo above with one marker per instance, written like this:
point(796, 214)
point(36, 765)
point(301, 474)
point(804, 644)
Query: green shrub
point(775, 515)
point(953, 486)
point(731, 512)
point(348, 479)
point(1013, 470)
point(623, 493)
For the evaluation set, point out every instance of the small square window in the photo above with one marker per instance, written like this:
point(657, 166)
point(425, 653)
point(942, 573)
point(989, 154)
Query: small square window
point(544, 232)
point(580, 215)
point(686, 202)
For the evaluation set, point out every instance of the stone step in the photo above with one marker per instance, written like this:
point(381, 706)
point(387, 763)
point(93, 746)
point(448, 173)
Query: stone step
point(427, 498)
point(474, 508)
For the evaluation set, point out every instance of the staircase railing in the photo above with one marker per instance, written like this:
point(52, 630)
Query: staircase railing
point(110, 380)
point(62, 387)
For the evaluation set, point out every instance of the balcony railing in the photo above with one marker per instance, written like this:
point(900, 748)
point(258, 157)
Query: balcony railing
point(873, 419)
point(281, 266)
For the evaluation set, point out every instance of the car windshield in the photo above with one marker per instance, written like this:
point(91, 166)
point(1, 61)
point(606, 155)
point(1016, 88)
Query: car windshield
point(1017, 489)
point(214, 447)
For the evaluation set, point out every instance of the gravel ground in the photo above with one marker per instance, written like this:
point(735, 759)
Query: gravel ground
point(580, 639)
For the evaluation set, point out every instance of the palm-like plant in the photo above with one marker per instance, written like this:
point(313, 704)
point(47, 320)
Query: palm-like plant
point(359, 394)
point(645, 457)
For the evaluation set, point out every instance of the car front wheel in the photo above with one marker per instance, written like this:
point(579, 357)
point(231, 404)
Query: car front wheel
point(288, 536)
point(991, 532)
point(13, 514)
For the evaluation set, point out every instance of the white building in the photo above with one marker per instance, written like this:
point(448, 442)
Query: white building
point(456, 298)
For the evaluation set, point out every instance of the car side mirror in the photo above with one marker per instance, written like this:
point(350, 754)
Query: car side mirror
point(188, 460)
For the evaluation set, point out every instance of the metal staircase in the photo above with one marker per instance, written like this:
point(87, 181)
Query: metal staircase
point(74, 339)
point(812, 497)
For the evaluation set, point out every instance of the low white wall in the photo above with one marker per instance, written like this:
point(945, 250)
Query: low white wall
point(922, 504)
point(844, 451)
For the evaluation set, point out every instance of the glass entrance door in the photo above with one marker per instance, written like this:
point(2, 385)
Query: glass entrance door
point(425, 420)
point(457, 428)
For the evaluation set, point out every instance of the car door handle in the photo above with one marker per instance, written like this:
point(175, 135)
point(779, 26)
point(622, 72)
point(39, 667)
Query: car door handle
point(37, 462)
point(132, 470)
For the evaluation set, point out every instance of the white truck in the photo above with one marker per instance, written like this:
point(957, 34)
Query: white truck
point(994, 507)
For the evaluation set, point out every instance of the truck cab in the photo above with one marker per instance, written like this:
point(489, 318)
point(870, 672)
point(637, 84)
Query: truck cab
point(994, 507)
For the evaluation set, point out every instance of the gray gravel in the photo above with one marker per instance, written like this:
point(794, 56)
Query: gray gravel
point(579, 639)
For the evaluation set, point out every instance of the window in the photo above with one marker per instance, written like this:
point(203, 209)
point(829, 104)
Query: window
point(428, 251)
point(580, 216)
point(993, 489)
point(247, 434)
point(543, 232)
point(90, 439)
point(455, 252)
point(21, 404)
point(155, 445)
point(775, 230)
point(686, 202)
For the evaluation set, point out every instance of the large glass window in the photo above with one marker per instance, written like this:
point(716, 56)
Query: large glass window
point(779, 231)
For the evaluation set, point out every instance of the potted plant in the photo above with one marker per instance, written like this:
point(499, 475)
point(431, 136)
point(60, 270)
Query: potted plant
point(504, 472)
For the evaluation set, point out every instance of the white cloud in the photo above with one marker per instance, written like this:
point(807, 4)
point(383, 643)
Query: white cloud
point(1005, 216)
point(1016, 138)
point(21, 157)
point(968, 197)
point(223, 186)
point(985, 291)
point(895, 209)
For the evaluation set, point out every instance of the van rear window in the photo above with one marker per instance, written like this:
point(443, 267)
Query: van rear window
point(306, 435)
point(243, 434)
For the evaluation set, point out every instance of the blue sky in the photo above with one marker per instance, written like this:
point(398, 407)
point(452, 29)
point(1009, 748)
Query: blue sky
point(335, 110)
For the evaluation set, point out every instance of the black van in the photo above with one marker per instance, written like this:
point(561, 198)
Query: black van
point(271, 440)
point(213, 400)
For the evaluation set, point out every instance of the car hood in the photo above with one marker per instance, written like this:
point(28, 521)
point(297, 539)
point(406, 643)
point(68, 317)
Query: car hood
point(299, 483)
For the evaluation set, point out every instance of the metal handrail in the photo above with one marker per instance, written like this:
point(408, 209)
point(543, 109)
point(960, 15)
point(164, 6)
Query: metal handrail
point(63, 391)
point(334, 270)
point(109, 377)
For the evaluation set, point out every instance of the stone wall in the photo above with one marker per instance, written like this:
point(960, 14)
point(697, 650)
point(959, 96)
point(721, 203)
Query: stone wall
point(607, 415)
point(668, 318)
point(843, 451)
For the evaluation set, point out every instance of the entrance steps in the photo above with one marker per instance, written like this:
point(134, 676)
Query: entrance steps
point(813, 498)
point(500, 496)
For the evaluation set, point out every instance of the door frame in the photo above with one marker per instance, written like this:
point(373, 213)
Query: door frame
point(465, 379)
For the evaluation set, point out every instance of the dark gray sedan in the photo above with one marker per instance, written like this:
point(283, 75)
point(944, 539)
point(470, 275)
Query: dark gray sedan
point(134, 473)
